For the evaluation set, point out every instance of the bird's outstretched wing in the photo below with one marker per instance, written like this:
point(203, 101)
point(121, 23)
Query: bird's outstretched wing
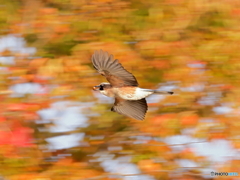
point(112, 70)
point(134, 109)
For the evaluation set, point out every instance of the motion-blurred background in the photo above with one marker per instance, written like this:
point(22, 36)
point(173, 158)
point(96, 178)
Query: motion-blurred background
point(54, 127)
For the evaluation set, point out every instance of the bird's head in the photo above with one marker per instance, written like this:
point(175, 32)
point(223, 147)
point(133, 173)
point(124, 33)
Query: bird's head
point(101, 87)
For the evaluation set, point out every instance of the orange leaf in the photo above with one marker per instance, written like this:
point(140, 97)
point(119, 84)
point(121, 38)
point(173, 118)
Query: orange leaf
point(190, 120)
point(36, 63)
point(2, 119)
point(147, 165)
point(16, 107)
point(162, 119)
point(217, 135)
point(28, 116)
point(48, 10)
point(187, 154)
point(63, 28)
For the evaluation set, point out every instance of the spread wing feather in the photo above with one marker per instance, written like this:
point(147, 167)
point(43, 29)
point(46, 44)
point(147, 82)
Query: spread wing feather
point(134, 109)
point(112, 70)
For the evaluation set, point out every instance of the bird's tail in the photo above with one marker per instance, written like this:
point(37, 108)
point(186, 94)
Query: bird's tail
point(159, 92)
point(162, 92)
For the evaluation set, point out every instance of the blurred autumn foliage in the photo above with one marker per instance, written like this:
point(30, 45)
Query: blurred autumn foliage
point(189, 46)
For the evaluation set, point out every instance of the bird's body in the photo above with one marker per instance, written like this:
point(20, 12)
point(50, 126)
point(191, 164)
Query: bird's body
point(123, 86)
point(125, 92)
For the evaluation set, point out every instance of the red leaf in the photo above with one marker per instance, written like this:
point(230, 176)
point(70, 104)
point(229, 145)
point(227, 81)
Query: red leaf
point(5, 137)
point(21, 137)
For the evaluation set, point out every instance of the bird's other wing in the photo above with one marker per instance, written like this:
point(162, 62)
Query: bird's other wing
point(112, 70)
point(134, 109)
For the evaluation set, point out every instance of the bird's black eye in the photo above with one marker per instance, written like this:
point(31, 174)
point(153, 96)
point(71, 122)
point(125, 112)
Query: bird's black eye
point(101, 88)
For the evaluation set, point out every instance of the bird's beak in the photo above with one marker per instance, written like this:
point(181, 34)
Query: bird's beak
point(96, 88)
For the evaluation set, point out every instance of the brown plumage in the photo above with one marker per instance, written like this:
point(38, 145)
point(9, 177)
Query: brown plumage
point(112, 70)
point(123, 86)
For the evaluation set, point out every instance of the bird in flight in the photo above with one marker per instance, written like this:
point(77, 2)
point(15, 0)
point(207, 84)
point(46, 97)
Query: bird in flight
point(123, 86)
